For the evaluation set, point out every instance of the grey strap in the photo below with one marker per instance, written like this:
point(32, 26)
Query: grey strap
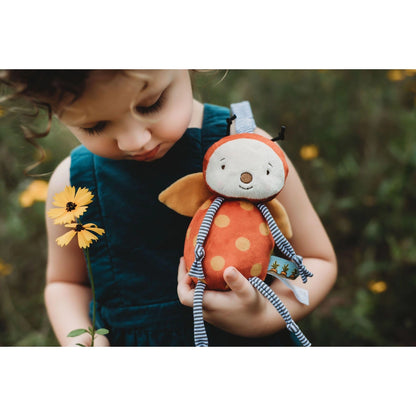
point(244, 123)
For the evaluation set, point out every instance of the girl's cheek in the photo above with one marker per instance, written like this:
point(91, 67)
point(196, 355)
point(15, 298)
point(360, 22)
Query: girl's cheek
point(177, 121)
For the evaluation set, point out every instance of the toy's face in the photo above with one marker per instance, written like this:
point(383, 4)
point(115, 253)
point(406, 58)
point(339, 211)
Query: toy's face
point(245, 168)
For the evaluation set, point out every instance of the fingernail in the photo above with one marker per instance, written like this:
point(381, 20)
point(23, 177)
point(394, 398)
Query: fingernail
point(232, 271)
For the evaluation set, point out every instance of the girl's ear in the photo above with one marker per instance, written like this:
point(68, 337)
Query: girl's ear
point(280, 216)
point(186, 195)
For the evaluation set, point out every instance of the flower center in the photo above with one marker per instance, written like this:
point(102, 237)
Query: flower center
point(78, 228)
point(70, 206)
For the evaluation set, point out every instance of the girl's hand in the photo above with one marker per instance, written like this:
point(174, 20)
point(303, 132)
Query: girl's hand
point(241, 311)
point(85, 339)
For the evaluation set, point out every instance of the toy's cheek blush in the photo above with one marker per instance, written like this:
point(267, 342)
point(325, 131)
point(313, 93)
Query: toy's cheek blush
point(239, 237)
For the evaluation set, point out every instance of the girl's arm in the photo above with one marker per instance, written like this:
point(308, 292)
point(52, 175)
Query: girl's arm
point(243, 310)
point(67, 292)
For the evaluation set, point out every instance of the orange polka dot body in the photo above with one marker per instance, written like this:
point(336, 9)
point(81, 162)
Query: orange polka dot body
point(239, 237)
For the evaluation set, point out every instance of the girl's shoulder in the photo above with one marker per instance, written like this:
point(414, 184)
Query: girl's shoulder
point(60, 177)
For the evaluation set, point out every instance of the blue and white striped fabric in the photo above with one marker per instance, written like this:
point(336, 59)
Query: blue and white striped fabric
point(281, 308)
point(196, 268)
point(200, 335)
point(283, 244)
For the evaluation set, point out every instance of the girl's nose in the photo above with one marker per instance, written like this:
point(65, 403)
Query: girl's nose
point(133, 137)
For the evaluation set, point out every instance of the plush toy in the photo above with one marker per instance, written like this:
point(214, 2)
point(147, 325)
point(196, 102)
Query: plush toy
point(236, 219)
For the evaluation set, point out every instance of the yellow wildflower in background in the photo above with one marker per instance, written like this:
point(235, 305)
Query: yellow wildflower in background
point(396, 75)
point(36, 191)
point(309, 152)
point(5, 268)
point(85, 236)
point(2, 111)
point(410, 72)
point(71, 204)
point(377, 286)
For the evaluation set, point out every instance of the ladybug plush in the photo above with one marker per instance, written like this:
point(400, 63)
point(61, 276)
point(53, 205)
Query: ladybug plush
point(237, 220)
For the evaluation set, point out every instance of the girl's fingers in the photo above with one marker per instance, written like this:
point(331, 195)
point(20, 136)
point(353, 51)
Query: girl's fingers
point(237, 282)
point(216, 300)
point(185, 285)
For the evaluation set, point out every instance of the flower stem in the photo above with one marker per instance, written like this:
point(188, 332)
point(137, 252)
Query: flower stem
point(87, 255)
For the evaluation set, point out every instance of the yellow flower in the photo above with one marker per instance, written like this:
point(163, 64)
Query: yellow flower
point(395, 75)
point(71, 204)
point(39, 190)
point(85, 236)
point(5, 268)
point(26, 199)
point(377, 286)
point(309, 152)
point(410, 72)
point(36, 191)
point(2, 111)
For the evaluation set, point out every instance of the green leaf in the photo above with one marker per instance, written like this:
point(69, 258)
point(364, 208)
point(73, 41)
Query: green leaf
point(80, 345)
point(77, 332)
point(102, 331)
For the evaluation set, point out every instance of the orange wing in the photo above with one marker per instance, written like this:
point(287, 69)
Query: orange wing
point(186, 195)
point(280, 216)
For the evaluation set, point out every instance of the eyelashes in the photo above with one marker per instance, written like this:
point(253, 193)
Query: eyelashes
point(97, 129)
point(152, 109)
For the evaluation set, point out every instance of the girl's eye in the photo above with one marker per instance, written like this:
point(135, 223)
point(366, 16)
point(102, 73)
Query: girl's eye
point(97, 129)
point(154, 108)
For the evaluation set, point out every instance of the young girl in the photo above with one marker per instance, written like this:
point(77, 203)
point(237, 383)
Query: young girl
point(140, 131)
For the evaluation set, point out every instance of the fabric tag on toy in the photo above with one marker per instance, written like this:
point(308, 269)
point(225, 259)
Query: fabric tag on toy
point(284, 270)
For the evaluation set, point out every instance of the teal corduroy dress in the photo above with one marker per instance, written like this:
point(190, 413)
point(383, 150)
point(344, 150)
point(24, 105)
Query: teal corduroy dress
point(135, 262)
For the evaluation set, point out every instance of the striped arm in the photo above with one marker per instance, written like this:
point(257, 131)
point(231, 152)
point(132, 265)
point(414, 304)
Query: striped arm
point(283, 244)
point(281, 308)
point(200, 335)
point(196, 268)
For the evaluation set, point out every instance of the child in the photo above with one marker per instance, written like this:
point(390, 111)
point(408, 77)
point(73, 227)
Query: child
point(140, 131)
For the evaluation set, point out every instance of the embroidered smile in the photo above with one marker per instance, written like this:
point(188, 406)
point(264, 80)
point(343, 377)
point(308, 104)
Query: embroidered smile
point(246, 189)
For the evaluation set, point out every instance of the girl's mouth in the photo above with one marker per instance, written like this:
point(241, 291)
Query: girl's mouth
point(145, 156)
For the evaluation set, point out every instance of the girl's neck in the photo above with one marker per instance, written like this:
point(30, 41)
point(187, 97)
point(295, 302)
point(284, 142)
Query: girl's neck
point(197, 115)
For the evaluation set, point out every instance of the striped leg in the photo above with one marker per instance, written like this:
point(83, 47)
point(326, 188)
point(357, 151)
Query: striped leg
point(283, 244)
point(196, 268)
point(200, 335)
point(281, 308)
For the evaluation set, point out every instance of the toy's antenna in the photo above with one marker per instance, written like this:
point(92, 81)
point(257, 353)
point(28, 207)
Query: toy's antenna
point(281, 135)
point(229, 122)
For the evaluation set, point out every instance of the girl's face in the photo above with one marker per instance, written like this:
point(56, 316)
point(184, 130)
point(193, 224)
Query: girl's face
point(138, 115)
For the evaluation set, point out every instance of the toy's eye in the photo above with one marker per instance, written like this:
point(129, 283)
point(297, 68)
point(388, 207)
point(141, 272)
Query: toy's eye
point(222, 167)
point(268, 172)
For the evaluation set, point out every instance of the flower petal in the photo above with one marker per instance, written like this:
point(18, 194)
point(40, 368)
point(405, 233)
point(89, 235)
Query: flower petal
point(65, 239)
point(69, 193)
point(83, 196)
point(62, 198)
point(79, 211)
point(61, 215)
point(85, 238)
point(94, 228)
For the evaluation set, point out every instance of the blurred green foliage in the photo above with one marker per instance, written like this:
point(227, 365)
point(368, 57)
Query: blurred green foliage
point(352, 137)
